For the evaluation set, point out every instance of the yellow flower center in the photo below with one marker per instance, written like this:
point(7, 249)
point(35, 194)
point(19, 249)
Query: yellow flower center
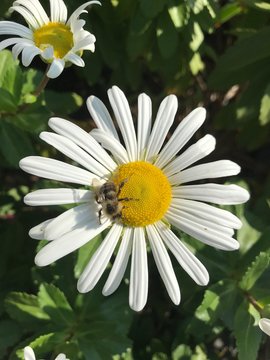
point(56, 35)
point(147, 192)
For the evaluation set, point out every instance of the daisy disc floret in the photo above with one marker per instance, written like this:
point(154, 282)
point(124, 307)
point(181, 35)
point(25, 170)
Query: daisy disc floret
point(136, 190)
point(57, 39)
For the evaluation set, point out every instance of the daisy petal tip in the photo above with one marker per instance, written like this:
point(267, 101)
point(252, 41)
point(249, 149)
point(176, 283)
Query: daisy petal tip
point(264, 325)
point(205, 279)
point(41, 260)
point(136, 306)
point(176, 298)
point(81, 287)
point(245, 195)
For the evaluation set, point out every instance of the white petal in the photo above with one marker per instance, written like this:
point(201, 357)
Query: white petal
point(56, 170)
point(138, 288)
point(101, 116)
point(163, 122)
point(12, 41)
point(183, 255)
point(214, 193)
point(61, 357)
point(28, 16)
point(74, 152)
point(264, 325)
point(201, 232)
point(56, 68)
point(17, 49)
point(12, 28)
point(83, 139)
point(144, 123)
point(68, 243)
point(110, 143)
point(36, 10)
point(195, 152)
point(75, 59)
point(208, 212)
point(210, 170)
point(164, 264)
point(77, 26)
point(120, 263)
point(85, 43)
point(123, 117)
point(207, 225)
point(69, 220)
point(28, 54)
point(99, 261)
point(80, 10)
point(28, 353)
point(37, 232)
point(47, 54)
point(58, 196)
point(58, 11)
point(182, 134)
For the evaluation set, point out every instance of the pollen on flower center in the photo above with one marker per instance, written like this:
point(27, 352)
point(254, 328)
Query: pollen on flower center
point(56, 35)
point(148, 192)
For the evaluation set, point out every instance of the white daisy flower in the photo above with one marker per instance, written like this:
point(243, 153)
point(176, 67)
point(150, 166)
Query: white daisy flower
point(58, 40)
point(30, 355)
point(145, 191)
point(264, 325)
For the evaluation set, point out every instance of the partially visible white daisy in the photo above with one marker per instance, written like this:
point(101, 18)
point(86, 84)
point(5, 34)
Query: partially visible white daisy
point(264, 325)
point(29, 354)
point(58, 40)
point(153, 177)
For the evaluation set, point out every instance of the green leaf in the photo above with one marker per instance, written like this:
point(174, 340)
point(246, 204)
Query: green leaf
point(137, 45)
point(197, 37)
point(248, 235)
point(265, 107)
point(7, 102)
point(53, 302)
point(10, 333)
point(11, 78)
point(14, 144)
point(178, 15)
point(242, 50)
point(248, 335)
point(151, 10)
point(62, 103)
point(254, 272)
point(228, 11)
point(85, 253)
point(44, 344)
point(216, 299)
point(24, 307)
point(167, 36)
point(182, 352)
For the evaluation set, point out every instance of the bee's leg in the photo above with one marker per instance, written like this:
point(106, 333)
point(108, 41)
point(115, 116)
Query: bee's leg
point(122, 183)
point(127, 199)
point(97, 199)
point(99, 215)
point(117, 217)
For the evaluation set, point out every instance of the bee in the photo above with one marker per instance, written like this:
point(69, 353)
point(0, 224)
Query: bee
point(107, 195)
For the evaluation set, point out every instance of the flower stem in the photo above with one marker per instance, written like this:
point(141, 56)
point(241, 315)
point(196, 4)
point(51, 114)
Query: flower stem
point(254, 302)
point(41, 86)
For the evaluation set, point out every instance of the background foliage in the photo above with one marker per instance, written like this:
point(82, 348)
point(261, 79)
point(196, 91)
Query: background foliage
point(208, 52)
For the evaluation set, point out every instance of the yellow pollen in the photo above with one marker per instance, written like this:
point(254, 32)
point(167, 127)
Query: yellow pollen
point(148, 190)
point(56, 35)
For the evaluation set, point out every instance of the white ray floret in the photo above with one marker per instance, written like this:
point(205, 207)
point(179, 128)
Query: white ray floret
point(56, 39)
point(29, 354)
point(103, 156)
point(264, 325)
